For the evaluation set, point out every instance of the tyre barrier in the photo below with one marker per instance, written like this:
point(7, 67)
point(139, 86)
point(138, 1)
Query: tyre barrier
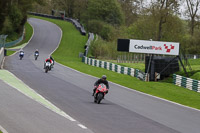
point(185, 82)
point(115, 68)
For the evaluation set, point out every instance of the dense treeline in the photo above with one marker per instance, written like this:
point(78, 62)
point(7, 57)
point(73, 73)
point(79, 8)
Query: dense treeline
point(13, 16)
point(159, 20)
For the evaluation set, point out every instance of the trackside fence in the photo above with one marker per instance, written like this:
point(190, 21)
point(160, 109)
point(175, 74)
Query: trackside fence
point(185, 82)
point(115, 68)
point(13, 43)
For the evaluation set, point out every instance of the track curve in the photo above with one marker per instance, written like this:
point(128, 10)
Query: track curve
point(123, 110)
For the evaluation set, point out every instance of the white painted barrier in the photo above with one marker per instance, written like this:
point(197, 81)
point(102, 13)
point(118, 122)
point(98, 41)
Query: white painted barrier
point(1, 56)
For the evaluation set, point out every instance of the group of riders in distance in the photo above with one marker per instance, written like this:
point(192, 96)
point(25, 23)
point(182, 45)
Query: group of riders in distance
point(101, 86)
point(48, 64)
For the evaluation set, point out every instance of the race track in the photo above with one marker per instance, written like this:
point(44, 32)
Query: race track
point(122, 111)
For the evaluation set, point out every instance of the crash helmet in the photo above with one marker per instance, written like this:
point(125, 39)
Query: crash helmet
point(104, 77)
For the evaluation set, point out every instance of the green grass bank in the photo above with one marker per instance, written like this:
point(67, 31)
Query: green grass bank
point(73, 42)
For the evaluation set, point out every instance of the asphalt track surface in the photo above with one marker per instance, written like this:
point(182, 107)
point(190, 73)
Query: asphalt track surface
point(122, 111)
point(20, 114)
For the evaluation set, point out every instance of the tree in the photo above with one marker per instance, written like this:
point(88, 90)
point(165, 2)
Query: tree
point(162, 9)
point(3, 12)
point(67, 5)
point(146, 27)
point(13, 15)
point(80, 6)
point(105, 10)
point(131, 9)
point(193, 6)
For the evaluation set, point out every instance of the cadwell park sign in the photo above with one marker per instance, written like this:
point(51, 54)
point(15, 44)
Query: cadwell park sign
point(149, 47)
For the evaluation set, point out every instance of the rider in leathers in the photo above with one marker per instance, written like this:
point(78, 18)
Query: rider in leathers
point(99, 81)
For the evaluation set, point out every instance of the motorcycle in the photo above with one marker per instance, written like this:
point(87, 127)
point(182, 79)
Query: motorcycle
point(36, 55)
point(101, 91)
point(21, 55)
point(47, 67)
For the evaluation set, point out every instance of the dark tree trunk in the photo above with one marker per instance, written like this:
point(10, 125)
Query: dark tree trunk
point(160, 29)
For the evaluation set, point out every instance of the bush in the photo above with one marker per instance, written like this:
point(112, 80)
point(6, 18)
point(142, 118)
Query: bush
point(103, 29)
point(104, 49)
point(108, 11)
point(95, 26)
point(107, 32)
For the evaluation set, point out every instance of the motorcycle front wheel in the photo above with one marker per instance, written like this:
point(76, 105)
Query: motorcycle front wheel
point(99, 98)
point(46, 70)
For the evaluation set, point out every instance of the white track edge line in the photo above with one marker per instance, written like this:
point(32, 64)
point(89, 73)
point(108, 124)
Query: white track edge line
point(3, 130)
point(135, 90)
point(62, 113)
point(82, 126)
point(1, 67)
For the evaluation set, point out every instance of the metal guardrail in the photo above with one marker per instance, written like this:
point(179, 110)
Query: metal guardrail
point(87, 45)
point(45, 15)
point(77, 25)
point(73, 21)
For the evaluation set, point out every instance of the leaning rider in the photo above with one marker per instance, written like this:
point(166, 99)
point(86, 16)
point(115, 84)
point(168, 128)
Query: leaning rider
point(52, 59)
point(47, 60)
point(99, 81)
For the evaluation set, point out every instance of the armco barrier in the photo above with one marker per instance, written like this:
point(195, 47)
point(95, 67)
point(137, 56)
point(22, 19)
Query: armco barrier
point(1, 56)
point(73, 21)
point(115, 68)
point(87, 45)
point(77, 25)
point(185, 82)
point(45, 15)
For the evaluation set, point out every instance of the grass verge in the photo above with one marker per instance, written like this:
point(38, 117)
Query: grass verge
point(9, 52)
point(27, 36)
point(72, 43)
